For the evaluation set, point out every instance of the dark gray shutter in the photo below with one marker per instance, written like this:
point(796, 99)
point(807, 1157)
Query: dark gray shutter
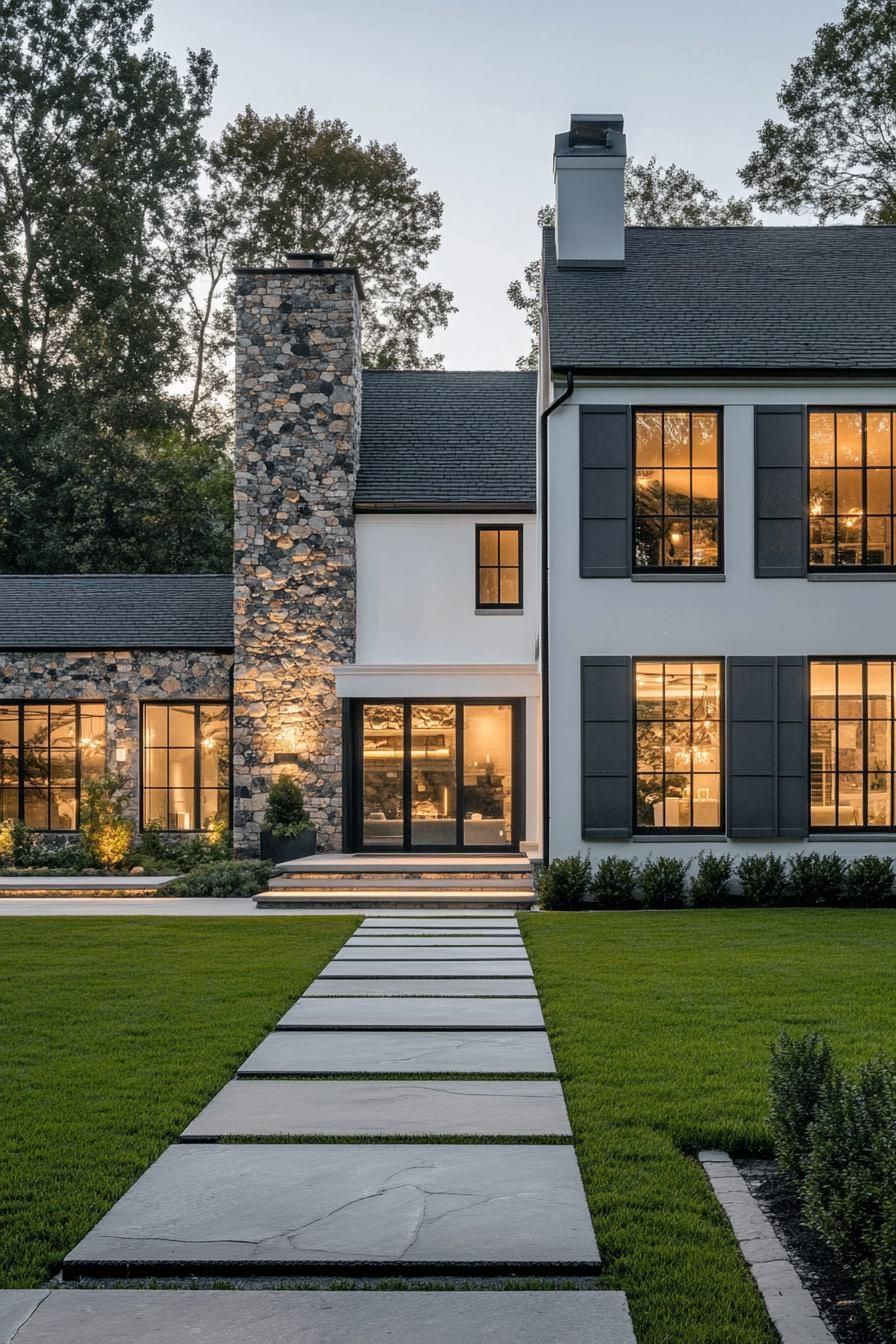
point(605, 492)
point(781, 492)
point(607, 748)
point(767, 748)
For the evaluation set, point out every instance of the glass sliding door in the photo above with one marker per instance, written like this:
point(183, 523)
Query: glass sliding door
point(488, 775)
point(382, 776)
point(435, 775)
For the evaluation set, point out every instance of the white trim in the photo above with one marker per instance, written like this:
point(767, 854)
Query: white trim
point(355, 681)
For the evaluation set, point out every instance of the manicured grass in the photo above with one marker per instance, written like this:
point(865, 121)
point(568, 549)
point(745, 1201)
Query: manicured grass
point(661, 1025)
point(113, 1034)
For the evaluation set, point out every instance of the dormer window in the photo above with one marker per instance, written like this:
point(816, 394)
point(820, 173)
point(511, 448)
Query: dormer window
point(851, 508)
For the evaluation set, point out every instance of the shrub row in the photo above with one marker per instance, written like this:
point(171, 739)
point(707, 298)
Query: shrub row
point(837, 1136)
point(757, 880)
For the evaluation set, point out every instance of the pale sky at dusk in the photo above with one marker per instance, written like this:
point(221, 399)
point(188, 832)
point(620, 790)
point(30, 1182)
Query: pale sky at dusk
point(473, 93)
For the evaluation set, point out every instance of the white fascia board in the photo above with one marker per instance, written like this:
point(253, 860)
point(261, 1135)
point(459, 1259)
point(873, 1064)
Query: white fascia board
point(457, 680)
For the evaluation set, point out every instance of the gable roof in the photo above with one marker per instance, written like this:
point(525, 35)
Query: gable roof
point(769, 298)
point(439, 440)
point(116, 611)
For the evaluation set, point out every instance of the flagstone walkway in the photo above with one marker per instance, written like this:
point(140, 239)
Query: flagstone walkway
point(304, 1166)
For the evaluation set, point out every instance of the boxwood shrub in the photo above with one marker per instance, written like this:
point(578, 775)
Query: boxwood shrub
point(233, 877)
point(615, 884)
point(565, 883)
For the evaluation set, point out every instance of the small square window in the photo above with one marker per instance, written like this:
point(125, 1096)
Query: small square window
point(499, 568)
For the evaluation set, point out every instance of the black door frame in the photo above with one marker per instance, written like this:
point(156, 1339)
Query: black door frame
point(353, 772)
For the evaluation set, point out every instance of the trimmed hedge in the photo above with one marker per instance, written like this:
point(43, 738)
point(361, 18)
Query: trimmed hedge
point(837, 1136)
point(758, 880)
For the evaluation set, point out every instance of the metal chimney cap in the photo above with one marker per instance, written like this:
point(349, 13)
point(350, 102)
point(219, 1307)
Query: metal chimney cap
point(592, 133)
point(306, 261)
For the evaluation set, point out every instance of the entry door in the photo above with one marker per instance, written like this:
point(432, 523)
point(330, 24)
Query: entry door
point(436, 775)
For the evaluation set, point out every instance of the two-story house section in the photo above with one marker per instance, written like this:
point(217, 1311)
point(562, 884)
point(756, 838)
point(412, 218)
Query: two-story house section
point(718, 439)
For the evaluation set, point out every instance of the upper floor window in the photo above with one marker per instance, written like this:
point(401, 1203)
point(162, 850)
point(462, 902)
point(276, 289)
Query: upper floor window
point(678, 745)
point(851, 505)
point(47, 752)
point(851, 752)
point(186, 765)
point(677, 515)
point(499, 567)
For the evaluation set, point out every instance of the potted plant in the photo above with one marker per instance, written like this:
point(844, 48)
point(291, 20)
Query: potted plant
point(287, 832)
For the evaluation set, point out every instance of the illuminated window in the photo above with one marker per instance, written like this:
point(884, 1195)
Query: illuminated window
point(186, 765)
point(676, 510)
point(678, 750)
point(851, 503)
point(499, 567)
point(852, 744)
point(47, 752)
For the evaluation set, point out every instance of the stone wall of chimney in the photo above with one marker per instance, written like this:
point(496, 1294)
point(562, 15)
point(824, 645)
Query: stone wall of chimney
point(298, 420)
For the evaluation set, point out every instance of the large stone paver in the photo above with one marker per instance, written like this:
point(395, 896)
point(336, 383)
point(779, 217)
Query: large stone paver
point(110, 1316)
point(480, 1208)
point(311, 1052)
point(16, 1305)
point(421, 951)
point(446, 924)
point(391, 969)
point(382, 1108)
point(485, 988)
point(436, 941)
point(404, 1013)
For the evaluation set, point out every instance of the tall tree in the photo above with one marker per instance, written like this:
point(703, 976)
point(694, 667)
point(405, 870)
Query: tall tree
point(100, 151)
point(300, 183)
point(654, 195)
point(835, 154)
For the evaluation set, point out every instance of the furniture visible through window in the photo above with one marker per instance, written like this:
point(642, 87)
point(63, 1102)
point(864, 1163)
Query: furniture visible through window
point(47, 752)
point(186, 765)
point(851, 752)
point(851, 499)
point(677, 515)
point(678, 745)
point(499, 567)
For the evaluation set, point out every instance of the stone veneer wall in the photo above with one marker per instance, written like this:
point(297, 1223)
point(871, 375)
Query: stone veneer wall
point(121, 679)
point(298, 419)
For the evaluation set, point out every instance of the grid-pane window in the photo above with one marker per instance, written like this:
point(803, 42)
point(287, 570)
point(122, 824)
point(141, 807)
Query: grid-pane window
point(47, 752)
point(499, 566)
point(186, 765)
point(851, 750)
point(851, 490)
point(678, 745)
point(676, 507)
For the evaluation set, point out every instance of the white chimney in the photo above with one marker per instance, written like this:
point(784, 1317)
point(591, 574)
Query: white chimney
point(589, 174)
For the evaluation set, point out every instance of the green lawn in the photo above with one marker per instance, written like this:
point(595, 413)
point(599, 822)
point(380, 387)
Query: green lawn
point(661, 1025)
point(113, 1034)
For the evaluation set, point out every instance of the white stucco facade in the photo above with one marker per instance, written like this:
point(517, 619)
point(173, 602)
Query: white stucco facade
point(712, 617)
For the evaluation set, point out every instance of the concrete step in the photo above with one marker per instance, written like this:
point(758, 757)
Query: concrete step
point(352, 899)
point(425, 884)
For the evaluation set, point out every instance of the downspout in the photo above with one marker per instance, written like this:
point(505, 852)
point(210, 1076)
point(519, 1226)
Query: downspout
point(543, 637)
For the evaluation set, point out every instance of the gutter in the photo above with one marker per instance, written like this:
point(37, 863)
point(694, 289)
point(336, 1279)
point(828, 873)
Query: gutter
point(543, 636)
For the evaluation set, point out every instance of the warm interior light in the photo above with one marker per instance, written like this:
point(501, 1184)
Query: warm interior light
point(208, 744)
point(675, 538)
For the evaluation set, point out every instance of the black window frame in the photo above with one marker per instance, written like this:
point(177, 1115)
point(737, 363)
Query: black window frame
point(864, 411)
point(683, 571)
point(196, 705)
point(690, 660)
point(861, 660)
point(77, 705)
point(499, 605)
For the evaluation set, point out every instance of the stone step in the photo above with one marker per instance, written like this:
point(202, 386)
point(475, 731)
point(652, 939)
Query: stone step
point(394, 900)
point(269, 1208)
point(382, 1108)
point(283, 882)
point(156, 1316)
point(312, 1053)
point(419, 865)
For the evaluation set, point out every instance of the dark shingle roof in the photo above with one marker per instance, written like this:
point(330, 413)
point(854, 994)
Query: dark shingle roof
point(434, 439)
point(116, 611)
point(730, 298)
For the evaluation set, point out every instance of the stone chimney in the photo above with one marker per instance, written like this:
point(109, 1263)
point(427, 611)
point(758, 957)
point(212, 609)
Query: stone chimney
point(298, 423)
point(589, 176)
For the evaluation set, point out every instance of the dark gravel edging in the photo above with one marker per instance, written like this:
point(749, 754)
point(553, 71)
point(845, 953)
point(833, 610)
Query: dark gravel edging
point(821, 1272)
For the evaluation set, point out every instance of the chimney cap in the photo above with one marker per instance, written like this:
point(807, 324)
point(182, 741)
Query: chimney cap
point(592, 133)
point(304, 261)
